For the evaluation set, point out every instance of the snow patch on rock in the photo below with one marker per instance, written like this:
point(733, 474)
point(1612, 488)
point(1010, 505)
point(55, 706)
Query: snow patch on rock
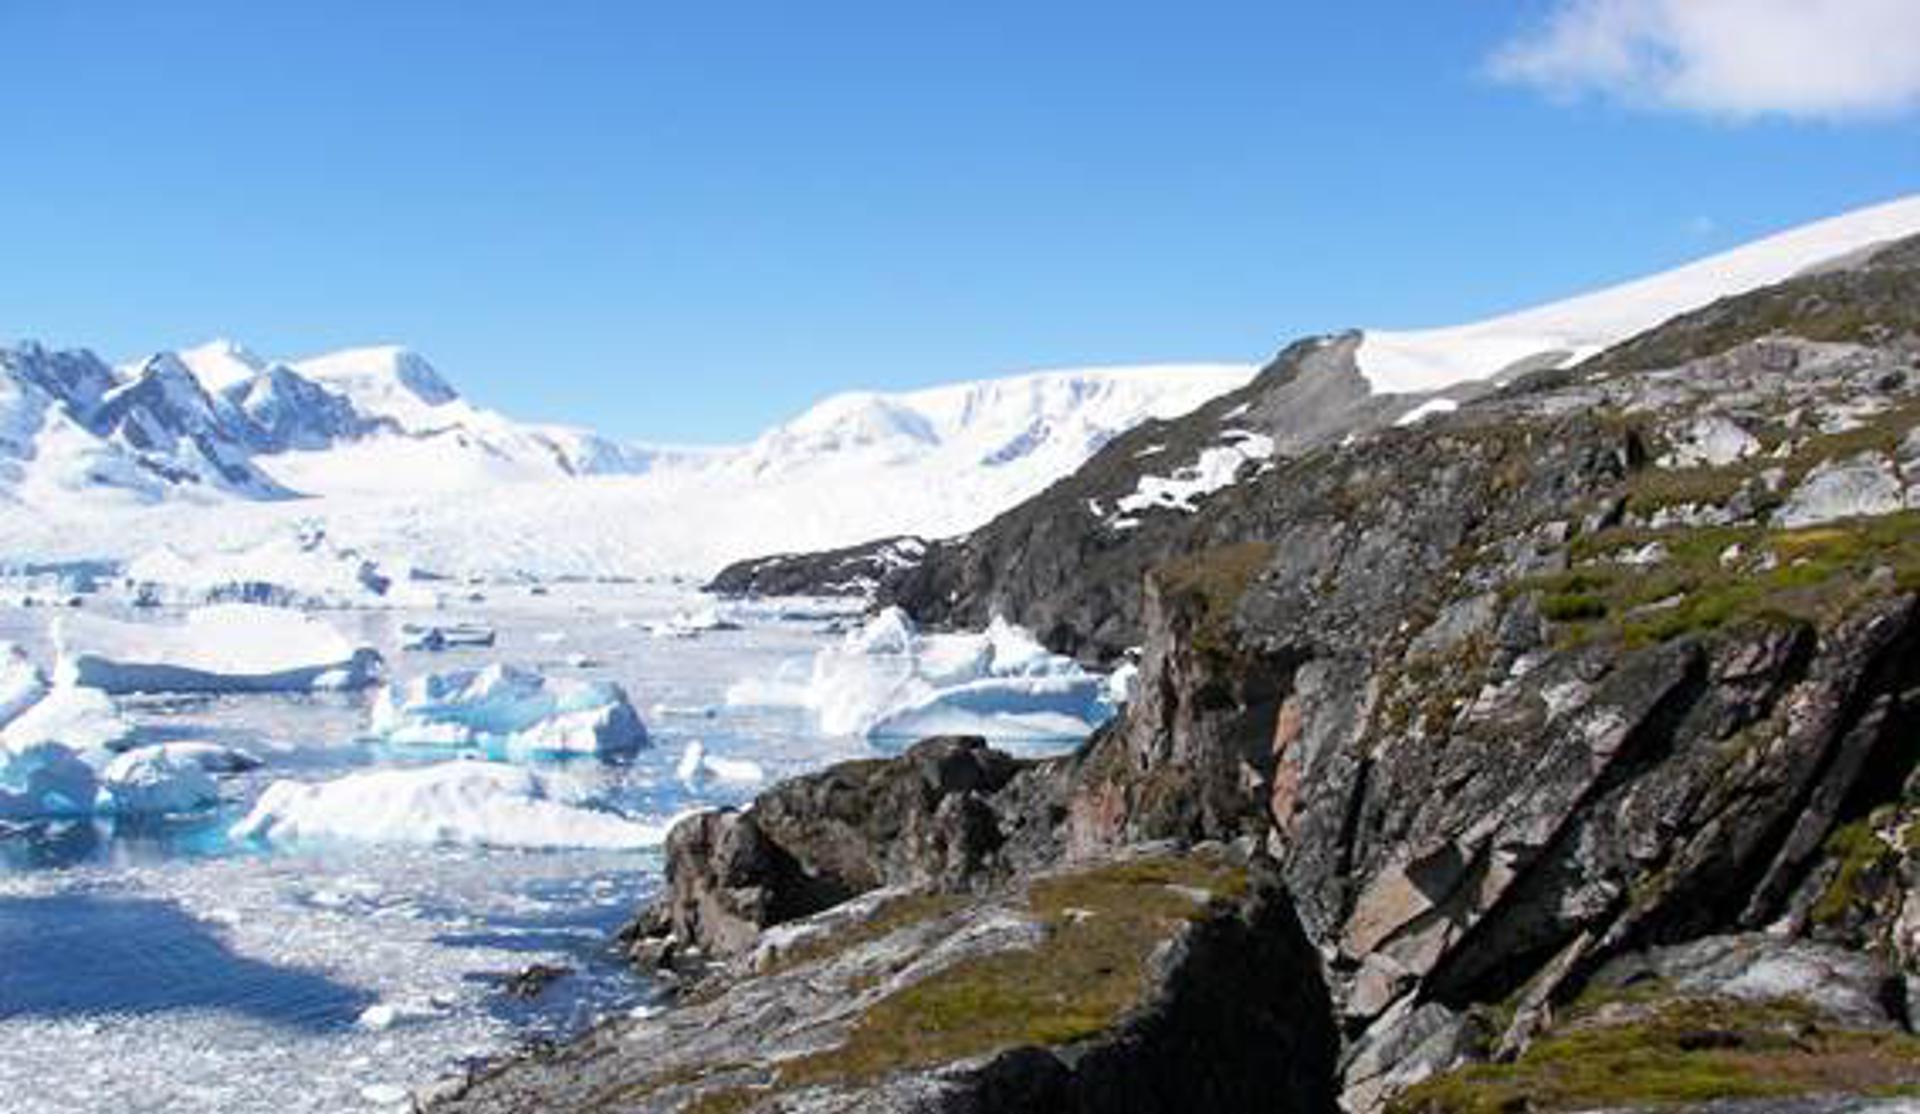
point(1217, 466)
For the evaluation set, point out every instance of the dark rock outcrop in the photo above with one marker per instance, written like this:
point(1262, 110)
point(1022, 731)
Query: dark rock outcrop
point(857, 570)
point(921, 820)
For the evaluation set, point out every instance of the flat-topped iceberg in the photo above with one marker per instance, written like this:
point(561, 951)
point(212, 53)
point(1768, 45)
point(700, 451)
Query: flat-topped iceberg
point(887, 680)
point(464, 803)
point(223, 648)
point(514, 710)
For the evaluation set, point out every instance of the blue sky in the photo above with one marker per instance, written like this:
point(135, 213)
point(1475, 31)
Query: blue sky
point(682, 222)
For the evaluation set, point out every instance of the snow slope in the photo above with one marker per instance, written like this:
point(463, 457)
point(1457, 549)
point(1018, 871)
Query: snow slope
point(1430, 359)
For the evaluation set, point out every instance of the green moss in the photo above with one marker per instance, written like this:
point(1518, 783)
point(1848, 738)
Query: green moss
point(724, 1100)
point(1685, 1051)
point(1099, 926)
point(1861, 853)
point(1212, 581)
point(1817, 575)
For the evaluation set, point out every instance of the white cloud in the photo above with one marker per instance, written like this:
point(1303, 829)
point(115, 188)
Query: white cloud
point(1733, 58)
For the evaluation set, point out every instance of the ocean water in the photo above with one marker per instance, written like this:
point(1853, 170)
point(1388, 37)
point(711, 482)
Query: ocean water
point(163, 967)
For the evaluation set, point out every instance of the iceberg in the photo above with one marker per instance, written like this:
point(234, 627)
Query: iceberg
point(697, 766)
point(214, 758)
point(156, 780)
point(82, 719)
point(513, 709)
point(463, 803)
point(692, 623)
point(222, 648)
point(887, 680)
point(45, 780)
point(21, 683)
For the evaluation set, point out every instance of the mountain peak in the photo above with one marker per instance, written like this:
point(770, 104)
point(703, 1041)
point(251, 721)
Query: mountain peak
point(389, 380)
point(221, 363)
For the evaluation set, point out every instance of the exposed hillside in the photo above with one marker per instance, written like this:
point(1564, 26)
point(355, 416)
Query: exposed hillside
point(1024, 564)
point(1573, 729)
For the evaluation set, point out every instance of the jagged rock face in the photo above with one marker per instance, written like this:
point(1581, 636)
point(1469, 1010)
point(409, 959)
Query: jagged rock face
point(163, 417)
point(1569, 674)
point(279, 410)
point(1464, 788)
point(1582, 685)
point(808, 844)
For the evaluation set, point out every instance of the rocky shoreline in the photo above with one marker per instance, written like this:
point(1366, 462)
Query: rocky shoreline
point(1555, 752)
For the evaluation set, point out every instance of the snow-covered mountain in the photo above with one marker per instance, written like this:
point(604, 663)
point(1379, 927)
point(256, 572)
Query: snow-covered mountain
point(394, 463)
point(1041, 423)
point(1398, 362)
point(73, 429)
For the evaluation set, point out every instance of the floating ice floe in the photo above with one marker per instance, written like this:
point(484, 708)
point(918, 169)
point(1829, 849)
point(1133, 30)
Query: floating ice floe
point(222, 648)
point(149, 781)
point(211, 757)
point(465, 803)
point(888, 680)
point(83, 719)
point(692, 623)
point(697, 766)
point(515, 710)
point(445, 636)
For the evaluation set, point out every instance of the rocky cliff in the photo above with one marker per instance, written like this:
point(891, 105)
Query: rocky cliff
point(1554, 752)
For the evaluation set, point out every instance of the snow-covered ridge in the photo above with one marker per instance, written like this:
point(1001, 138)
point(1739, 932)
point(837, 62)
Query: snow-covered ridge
point(378, 451)
point(1398, 362)
point(1063, 415)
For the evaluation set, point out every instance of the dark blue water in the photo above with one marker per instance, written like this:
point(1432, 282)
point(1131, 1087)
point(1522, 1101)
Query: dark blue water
point(74, 955)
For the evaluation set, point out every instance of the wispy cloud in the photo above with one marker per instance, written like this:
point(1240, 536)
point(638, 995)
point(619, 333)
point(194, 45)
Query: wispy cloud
point(1807, 59)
